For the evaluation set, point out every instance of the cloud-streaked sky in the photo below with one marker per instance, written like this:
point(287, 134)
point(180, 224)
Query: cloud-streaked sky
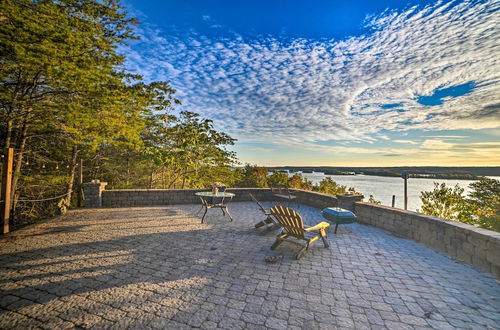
point(333, 82)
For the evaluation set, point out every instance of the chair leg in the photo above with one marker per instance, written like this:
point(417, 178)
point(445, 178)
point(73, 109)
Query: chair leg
point(260, 224)
point(263, 222)
point(302, 252)
point(276, 243)
point(279, 239)
point(322, 232)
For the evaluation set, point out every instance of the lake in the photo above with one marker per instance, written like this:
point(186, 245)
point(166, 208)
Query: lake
point(382, 188)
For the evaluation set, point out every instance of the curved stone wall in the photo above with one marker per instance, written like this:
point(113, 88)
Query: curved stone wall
point(466, 243)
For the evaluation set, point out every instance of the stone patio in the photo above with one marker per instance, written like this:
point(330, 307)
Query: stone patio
point(158, 267)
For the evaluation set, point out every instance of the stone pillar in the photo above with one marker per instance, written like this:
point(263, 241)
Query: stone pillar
point(92, 192)
point(346, 201)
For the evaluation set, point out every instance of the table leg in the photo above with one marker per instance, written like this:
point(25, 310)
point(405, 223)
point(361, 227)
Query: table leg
point(203, 217)
point(229, 214)
point(202, 205)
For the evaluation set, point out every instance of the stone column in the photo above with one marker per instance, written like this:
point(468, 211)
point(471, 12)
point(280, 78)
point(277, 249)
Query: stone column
point(346, 201)
point(92, 192)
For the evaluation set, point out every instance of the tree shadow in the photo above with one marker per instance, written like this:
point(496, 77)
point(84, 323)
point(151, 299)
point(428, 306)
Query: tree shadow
point(166, 273)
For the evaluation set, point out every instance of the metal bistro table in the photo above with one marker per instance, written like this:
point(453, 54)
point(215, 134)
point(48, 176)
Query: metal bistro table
point(210, 200)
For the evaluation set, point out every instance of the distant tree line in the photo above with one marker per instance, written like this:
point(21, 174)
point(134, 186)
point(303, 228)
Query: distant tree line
point(259, 177)
point(435, 172)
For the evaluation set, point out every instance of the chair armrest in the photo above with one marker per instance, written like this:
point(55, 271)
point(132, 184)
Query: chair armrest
point(321, 225)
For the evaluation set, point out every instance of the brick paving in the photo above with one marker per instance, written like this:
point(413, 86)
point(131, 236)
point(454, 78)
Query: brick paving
point(158, 267)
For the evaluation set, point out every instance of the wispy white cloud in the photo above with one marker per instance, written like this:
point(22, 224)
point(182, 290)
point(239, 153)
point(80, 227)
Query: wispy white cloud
point(299, 91)
point(405, 141)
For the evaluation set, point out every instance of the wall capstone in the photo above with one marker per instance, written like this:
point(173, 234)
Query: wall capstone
point(346, 201)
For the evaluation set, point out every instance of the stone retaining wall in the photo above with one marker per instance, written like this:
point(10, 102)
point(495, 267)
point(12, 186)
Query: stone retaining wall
point(466, 243)
point(476, 246)
point(147, 197)
point(315, 199)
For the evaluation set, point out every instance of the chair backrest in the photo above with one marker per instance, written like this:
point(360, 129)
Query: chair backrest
point(290, 220)
point(262, 208)
point(279, 189)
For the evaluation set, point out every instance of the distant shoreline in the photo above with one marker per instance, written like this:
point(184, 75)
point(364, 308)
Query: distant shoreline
point(416, 172)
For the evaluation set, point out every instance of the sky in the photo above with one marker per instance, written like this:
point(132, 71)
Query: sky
point(332, 83)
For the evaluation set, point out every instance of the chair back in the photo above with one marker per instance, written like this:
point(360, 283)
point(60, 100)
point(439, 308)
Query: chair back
point(290, 220)
point(280, 189)
point(262, 208)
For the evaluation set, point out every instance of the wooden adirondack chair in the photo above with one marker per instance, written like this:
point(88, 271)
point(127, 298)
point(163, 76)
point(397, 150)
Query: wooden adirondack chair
point(269, 219)
point(293, 227)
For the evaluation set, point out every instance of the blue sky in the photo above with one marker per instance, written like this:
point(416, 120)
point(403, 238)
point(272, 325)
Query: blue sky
point(342, 83)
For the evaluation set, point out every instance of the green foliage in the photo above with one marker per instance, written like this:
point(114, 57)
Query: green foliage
point(297, 181)
point(278, 178)
point(446, 202)
point(486, 196)
point(482, 208)
point(64, 95)
point(253, 176)
point(328, 186)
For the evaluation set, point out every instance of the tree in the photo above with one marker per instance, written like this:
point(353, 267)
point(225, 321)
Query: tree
point(189, 149)
point(254, 176)
point(278, 178)
point(64, 94)
point(486, 196)
point(328, 186)
point(58, 66)
point(299, 182)
point(482, 208)
point(446, 202)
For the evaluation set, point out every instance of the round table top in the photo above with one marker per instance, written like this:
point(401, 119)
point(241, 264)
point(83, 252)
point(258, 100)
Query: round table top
point(211, 194)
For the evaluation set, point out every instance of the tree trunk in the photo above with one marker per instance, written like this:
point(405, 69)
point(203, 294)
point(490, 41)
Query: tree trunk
point(164, 183)
point(66, 201)
point(173, 182)
point(8, 135)
point(128, 172)
point(184, 177)
point(18, 164)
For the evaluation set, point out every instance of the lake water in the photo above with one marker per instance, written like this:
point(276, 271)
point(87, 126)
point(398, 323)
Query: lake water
point(382, 188)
